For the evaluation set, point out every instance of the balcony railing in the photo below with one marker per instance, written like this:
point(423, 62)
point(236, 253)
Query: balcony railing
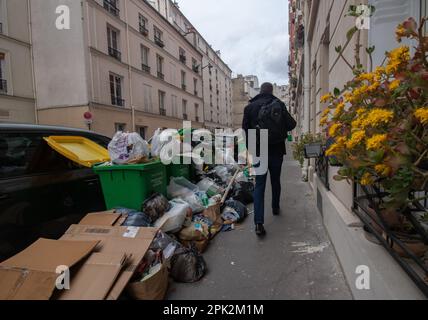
point(111, 7)
point(113, 52)
point(145, 68)
point(195, 68)
point(183, 86)
point(185, 116)
point(1, 27)
point(197, 119)
point(161, 75)
point(321, 167)
point(196, 93)
point(144, 31)
point(117, 101)
point(183, 59)
point(162, 111)
point(402, 246)
point(159, 42)
point(3, 86)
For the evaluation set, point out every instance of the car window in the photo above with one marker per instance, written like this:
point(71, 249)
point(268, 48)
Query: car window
point(16, 152)
point(102, 141)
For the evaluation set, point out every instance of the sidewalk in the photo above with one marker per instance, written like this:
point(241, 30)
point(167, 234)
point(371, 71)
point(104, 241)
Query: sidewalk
point(295, 261)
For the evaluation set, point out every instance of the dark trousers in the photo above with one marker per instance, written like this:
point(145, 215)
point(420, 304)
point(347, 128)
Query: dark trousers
point(275, 166)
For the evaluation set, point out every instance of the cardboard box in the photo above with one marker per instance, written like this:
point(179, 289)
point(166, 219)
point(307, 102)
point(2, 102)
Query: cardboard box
point(152, 288)
point(134, 242)
point(94, 279)
point(31, 274)
point(105, 218)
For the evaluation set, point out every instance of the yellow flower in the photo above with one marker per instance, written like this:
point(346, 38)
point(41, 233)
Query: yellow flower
point(357, 123)
point(394, 85)
point(366, 77)
point(374, 87)
point(422, 115)
point(397, 57)
point(339, 109)
point(383, 170)
point(323, 121)
point(325, 98)
point(361, 111)
point(377, 117)
point(333, 131)
point(376, 142)
point(325, 112)
point(367, 179)
point(356, 139)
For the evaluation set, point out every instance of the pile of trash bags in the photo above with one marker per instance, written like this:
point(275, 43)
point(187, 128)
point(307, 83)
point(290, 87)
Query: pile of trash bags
point(190, 215)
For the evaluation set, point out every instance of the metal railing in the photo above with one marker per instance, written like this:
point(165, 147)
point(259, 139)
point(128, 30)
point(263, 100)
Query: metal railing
point(111, 7)
point(117, 101)
point(402, 246)
point(185, 116)
point(195, 69)
point(3, 86)
point(113, 52)
point(183, 86)
point(183, 59)
point(162, 112)
point(1, 27)
point(321, 167)
point(145, 68)
point(161, 75)
point(159, 42)
point(144, 31)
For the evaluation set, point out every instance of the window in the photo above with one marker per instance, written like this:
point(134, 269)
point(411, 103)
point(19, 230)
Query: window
point(195, 66)
point(112, 6)
point(158, 37)
point(183, 80)
point(116, 90)
point(182, 55)
point(113, 41)
point(3, 81)
point(162, 110)
point(185, 116)
point(145, 58)
point(197, 112)
point(142, 131)
point(143, 25)
point(120, 127)
point(195, 86)
point(159, 64)
point(148, 103)
point(174, 106)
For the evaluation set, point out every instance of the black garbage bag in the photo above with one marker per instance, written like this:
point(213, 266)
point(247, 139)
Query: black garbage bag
point(134, 218)
point(237, 207)
point(187, 265)
point(156, 206)
point(243, 192)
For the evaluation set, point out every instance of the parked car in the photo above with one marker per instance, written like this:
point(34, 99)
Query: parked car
point(41, 192)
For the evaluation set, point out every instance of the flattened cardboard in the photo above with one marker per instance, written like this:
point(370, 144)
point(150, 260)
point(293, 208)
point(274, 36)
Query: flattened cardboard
point(105, 218)
point(95, 278)
point(134, 242)
point(31, 274)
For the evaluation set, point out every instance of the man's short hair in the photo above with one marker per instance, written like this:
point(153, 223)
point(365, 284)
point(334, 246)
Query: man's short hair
point(266, 87)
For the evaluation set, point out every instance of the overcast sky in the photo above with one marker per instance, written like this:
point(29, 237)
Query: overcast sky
point(251, 34)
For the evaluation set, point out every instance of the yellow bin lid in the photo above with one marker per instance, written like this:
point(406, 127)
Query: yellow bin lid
point(78, 149)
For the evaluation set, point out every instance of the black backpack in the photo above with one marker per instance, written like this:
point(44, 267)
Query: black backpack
point(274, 117)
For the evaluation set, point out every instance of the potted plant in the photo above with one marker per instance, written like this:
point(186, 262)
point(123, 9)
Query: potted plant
point(379, 123)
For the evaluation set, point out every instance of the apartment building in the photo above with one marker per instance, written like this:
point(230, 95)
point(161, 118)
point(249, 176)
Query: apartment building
point(17, 102)
point(216, 75)
point(240, 98)
point(317, 28)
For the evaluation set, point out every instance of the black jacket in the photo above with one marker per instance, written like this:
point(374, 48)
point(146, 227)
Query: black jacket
point(251, 114)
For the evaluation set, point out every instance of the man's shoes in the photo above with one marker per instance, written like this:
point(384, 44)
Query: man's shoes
point(260, 230)
point(276, 212)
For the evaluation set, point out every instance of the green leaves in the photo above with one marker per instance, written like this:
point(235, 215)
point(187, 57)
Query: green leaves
point(336, 92)
point(370, 50)
point(351, 33)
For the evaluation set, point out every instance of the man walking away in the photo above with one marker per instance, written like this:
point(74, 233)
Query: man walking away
point(266, 111)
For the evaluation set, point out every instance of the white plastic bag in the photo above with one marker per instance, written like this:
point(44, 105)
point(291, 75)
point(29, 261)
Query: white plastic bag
point(210, 187)
point(156, 145)
point(127, 147)
point(173, 220)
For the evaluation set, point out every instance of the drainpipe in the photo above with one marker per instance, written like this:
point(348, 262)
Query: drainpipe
point(306, 86)
point(33, 75)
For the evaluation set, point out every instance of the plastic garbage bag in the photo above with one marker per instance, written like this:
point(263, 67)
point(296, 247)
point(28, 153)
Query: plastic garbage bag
point(173, 220)
point(223, 173)
point(156, 206)
point(127, 147)
point(166, 244)
point(230, 215)
point(188, 266)
point(210, 187)
point(156, 145)
point(179, 187)
point(238, 207)
point(134, 218)
point(197, 231)
point(243, 192)
point(241, 177)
